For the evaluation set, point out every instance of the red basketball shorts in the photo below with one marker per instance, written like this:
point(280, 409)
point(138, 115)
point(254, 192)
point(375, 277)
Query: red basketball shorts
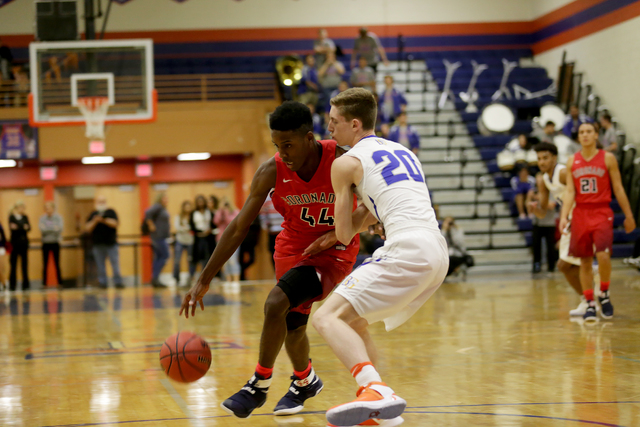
point(591, 228)
point(331, 269)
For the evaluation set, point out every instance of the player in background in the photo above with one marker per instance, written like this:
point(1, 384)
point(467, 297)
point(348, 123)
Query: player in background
point(299, 175)
point(400, 276)
point(551, 182)
point(594, 173)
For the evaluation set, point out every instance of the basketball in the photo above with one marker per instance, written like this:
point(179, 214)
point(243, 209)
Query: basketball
point(185, 357)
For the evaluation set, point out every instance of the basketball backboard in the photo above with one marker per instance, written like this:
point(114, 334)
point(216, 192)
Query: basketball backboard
point(62, 73)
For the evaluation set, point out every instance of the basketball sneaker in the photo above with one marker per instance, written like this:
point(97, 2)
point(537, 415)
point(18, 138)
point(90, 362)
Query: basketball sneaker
point(590, 312)
point(393, 422)
point(299, 391)
point(605, 303)
point(250, 397)
point(375, 401)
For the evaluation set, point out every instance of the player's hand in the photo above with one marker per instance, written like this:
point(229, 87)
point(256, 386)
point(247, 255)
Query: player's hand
point(191, 299)
point(629, 224)
point(322, 243)
point(378, 229)
point(563, 225)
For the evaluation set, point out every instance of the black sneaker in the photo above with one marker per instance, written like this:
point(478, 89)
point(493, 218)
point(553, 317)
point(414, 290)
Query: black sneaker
point(590, 313)
point(251, 396)
point(605, 304)
point(299, 391)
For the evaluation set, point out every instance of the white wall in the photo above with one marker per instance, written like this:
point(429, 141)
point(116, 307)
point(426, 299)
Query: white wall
point(144, 15)
point(610, 61)
point(542, 7)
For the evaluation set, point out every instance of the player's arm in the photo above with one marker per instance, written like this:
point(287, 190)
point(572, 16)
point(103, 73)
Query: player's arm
point(563, 176)
point(618, 190)
point(343, 172)
point(569, 197)
point(540, 209)
point(263, 181)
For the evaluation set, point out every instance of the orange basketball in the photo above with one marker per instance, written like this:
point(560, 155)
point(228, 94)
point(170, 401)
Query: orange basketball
point(185, 357)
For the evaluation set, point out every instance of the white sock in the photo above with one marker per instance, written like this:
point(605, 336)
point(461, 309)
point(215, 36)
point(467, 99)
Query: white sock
point(306, 381)
point(367, 375)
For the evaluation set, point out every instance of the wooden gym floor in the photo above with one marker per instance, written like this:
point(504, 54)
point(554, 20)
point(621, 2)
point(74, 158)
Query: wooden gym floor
point(493, 351)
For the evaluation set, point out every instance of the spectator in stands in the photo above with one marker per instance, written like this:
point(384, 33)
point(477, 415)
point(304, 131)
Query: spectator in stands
point(184, 241)
point(19, 226)
point(51, 225)
point(212, 242)
point(309, 88)
point(271, 220)
point(330, 75)
point(322, 46)
point(102, 224)
point(344, 85)
point(201, 220)
point(368, 46)
point(549, 132)
point(608, 138)
point(404, 134)
point(248, 248)
point(158, 221)
point(521, 184)
point(363, 76)
point(454, 235)
point(6, 60)
point(54, 72)
point(544, 227)
point(392, 102)
point(223, 218)
point(3, 255)
point(318, 123)
point(384, 130)
point(574, 120)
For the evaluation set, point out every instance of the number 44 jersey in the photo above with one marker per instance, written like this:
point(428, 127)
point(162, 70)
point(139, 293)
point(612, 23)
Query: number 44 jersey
point(308, 207)
point(393, 185)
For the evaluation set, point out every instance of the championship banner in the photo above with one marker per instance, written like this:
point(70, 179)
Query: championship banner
point(18, 140)
point(5, 2)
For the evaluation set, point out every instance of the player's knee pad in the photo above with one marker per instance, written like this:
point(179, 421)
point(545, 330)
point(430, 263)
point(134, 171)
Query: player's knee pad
point(296, 320)
point(300, 284)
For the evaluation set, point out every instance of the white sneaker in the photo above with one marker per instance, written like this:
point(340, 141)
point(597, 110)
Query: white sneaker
point(393, 422)
point(582, 308)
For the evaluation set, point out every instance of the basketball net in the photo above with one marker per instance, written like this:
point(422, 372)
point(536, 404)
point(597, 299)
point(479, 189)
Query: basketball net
point(94, 110)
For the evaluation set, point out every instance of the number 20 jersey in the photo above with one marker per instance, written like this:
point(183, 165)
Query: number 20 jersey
point(393, 185)
point(308, 207)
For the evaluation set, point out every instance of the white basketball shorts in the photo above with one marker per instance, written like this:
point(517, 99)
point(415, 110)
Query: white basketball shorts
point(565, 240)
point(399, 277)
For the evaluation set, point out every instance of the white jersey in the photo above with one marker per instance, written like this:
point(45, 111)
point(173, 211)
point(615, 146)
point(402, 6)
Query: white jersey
point(553, 184)
point(393, 186)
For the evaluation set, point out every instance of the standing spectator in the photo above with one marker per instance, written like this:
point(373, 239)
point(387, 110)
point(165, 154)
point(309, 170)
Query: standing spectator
point(521, 184)
point(544, 227)
point(318, 125)
point(271, 220)
point(573, 122)
point(609, 139)
point(19, 225)
point(309, 87)
point(201, 220)
point(368, 46)
point(3, 255)
point(157, 218)
point(184, 241)
point(404, 134)
point(51, 228)
point(454, 235)
point(248, 248)
point(392, 101)
point(330, 76)
point(6, 59)
point(363, 76)
point(212, 241)
point(103, 225)
point(227, 213)
point(323, 46)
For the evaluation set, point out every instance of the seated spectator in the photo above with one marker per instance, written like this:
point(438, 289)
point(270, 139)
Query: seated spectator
point(608, 138)
point(384, 130)
point(392, 102)
point(318, 124)
point(573, 122)
point(363, 76)
point(454, 235)
point(21, 86)
point(368, 45)
point(322, 46)
point(330, 75)
point(518, 151)
point(521, 184)
point(404, 134)
point(549, 132)
point(344, 85)
point(309, 87)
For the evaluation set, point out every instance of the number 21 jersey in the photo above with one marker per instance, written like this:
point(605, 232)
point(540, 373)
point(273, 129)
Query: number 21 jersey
point(591, 179)
point(393, 185)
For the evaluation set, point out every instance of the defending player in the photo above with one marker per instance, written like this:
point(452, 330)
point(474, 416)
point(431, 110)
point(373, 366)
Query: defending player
point(593, 173)
point(400, 276)
point(300, 176)
point(552, 181)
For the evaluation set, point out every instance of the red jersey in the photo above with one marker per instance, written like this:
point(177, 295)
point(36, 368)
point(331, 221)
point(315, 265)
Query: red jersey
point(591, 179)
point(308, 207)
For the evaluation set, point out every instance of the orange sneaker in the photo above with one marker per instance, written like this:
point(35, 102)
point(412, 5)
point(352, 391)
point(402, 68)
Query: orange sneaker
point(375, 401)
point(378, 422)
